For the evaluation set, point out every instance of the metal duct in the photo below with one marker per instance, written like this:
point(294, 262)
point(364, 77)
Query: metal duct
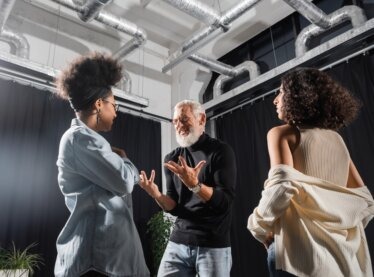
point(310, 12)
point(125, 83)
point(205, 35)
point(115, 22)
point(126, 49)
point(213, 65)
point(138, 34)
point(197, 10)
point(227, 71)
point(17, 41)
point(356, 35)
point(5, 7)
point(352, 13)
point(250, 66)
point(91, 8)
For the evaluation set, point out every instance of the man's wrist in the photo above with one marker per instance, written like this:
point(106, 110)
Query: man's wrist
point(196, 188)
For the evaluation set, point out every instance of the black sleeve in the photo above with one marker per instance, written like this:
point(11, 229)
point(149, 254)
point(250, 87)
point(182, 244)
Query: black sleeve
point(224, 176)
point(179, 210)
point(170, 187)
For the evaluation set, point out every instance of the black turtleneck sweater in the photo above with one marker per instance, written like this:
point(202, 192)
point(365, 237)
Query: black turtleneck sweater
point(198, 223)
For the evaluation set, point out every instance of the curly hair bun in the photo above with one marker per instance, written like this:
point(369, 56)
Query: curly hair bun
point(312, 97)
point(87, 74)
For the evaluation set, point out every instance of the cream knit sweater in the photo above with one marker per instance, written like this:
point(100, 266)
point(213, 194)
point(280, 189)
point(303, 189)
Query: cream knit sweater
point(318, 226)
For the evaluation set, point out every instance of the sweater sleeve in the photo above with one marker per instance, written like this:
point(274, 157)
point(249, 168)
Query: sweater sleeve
point(179, 210)
point(275, 199)
point(95, 160)
point(224, 177)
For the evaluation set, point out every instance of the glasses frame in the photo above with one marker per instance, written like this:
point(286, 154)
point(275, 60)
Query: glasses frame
point(115, 106)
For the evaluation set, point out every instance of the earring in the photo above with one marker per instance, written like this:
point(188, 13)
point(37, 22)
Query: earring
point(97, 117)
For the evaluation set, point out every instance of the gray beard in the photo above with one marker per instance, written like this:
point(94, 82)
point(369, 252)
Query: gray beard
point(187, 141)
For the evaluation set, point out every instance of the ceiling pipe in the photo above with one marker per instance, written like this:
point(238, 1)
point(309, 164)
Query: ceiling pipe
point(5, 7)
point(138, 34)
point(213, 65)
point(353, 14)
point(310, 12)
point(248, 66)
point(117, 23)
point(91, 8)
point(17, 41)
point(354, 38)
point(207, 34)
point(130, 46)
point(197, 10)
point(125, 83)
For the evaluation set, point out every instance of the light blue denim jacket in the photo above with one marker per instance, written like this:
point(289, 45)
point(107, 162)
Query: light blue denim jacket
point(100, 232)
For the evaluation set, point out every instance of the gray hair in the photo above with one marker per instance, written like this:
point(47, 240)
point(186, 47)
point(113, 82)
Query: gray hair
point(196, 107)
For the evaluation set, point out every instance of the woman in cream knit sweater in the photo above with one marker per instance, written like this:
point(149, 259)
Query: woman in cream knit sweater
point(314, 206)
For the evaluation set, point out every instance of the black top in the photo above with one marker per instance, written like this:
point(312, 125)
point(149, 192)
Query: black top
point(198, 223)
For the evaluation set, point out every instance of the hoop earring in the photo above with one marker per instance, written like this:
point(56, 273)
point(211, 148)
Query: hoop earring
point(97, 117)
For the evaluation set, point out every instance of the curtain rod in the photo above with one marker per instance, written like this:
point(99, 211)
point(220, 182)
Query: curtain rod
point(41, 84)
point(142, 113)
point(345, 59)
point(8, 74)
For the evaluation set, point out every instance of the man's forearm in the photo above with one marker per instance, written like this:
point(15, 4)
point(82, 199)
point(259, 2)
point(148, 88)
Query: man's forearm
point(165, 202)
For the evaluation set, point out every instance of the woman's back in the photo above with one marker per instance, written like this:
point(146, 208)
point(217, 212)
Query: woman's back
point(322, 153)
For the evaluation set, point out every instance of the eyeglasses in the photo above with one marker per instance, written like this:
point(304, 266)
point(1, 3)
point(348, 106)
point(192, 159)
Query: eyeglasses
point(115, 106)
point(183, 120)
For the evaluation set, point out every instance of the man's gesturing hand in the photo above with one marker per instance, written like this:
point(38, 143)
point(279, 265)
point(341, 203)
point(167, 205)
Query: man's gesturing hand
point(188, 175)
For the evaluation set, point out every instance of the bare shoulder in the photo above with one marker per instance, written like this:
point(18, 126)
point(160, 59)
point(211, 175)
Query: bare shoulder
point(284, 132)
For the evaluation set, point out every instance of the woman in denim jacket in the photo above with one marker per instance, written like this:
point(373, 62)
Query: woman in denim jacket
point(100, 237)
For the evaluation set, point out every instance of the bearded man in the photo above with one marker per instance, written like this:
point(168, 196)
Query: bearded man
point(200, 182)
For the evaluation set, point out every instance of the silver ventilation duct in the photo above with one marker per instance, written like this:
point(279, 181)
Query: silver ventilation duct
point(213, 65)
point(310, 12)
point(91, 8)
point(18, 43)
point(352, 13)
point(122, 25)
point(115, 22)
point(126, 83)
point(127, 48)
point(249, 66)
point(5, 7)
point(197, 10)
point(207, 34)
point(353, 37)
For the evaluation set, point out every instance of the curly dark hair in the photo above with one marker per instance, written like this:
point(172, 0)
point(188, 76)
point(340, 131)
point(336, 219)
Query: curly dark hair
point(311, 97)
point(87, 79)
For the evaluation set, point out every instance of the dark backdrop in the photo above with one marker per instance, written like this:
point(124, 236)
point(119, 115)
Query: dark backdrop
point(245, 130)
point(32, 208)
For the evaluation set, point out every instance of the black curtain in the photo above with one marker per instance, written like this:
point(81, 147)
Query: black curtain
point(245, 130)
point(32, 208)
